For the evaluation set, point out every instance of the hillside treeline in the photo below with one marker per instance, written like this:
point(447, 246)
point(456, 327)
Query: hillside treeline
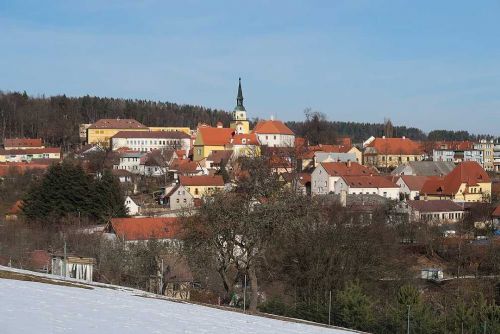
point(56, 119)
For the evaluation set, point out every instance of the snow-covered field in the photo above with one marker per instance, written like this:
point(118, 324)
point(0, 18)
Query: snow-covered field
point(32, 307)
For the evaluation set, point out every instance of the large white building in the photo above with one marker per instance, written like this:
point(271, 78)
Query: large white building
point(274, 133)
point(367, 185)
point(145, 141)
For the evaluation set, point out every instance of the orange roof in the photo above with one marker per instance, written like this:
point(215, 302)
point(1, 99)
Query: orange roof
point(468, 172)
point(23, 142)
point(146, 228)
point(375, 181)
point(346, 168)
point(309, 151)
point(15, 208)
point(250, 139)
point(396, 146)
point(454, 145)
point(185, 166)
point(413, 182)
point(202, 180)
point(272, 127)
point(215, 136)
point(117, 124)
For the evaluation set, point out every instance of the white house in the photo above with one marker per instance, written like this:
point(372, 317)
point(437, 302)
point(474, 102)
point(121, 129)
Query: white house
point(145, 141)
point(130, 161)
point(274, 133)
point(436, 211)
point(178, 197)
point(132, 207)
point(326, 174)
point(411, 185)
point(19, 155)
point(374, 185)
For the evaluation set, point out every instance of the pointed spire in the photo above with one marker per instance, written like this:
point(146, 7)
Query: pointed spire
point(239, 98)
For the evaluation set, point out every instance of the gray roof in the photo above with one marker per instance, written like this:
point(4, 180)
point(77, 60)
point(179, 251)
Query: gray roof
point(424, 168)
point(334, 157)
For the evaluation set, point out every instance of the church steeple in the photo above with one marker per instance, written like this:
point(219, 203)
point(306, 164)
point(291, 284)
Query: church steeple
point(239, 99)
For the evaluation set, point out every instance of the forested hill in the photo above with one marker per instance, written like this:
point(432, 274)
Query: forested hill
point(56, 119)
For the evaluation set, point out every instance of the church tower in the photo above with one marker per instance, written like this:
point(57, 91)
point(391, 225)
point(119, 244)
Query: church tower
point(240, 122)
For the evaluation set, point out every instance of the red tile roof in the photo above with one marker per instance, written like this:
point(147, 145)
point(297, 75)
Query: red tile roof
point(215, 136)
point(396, 146)
point(346, 168)
point(202, 180)
point(146, 228)
point(496, 212)
point(23, 142)
point(184, 166)
point(272, 127)
point(20, 167)
point(117, 124)
point(152, 134)
point(375, 181)
point(308, 152)
point(468, 172)
point(413, 182)
point(250, 139)
point(31, 151)
point(435, 206)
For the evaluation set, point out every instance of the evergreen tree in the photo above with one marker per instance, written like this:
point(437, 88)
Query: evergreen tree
point(108, 197)
point(355, 307)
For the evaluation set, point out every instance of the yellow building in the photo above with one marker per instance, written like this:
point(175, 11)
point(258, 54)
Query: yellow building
point(186, 130)
point(467, 182)
point(210, 139)
point(201, 185)
point(101, 131)
point(391, 152)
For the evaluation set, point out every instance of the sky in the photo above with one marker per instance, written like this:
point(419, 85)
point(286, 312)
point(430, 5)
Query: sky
point(427, 64)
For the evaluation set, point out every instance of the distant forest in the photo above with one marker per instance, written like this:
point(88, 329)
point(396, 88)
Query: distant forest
point(56, 119)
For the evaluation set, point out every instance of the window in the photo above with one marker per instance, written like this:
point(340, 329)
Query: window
point(274, 137)
point(196, 192)
point(177, 200)
point(185, 200)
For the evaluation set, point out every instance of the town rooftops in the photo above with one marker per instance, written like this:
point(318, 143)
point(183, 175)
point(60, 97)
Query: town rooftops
point(117, 123)
point(426, 168)
point(272, 127)
point(395, 146)
point(468, 172)
point(202, 180)
point(220, 156)
point(146, 228)
point(435, 206)
point(152, 134)
point(346, 168)
point(22, 142)
point(245, 139)
point(364, 181)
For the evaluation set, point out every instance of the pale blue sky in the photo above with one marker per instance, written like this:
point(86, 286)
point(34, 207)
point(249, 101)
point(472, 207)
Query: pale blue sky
point(429, 64)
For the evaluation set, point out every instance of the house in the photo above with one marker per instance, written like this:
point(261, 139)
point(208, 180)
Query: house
point(424, 168)
point(391, 152)
point(201, 185)
point(300, 182)
point(411, 185)
point(245, 145)
point(101, 131)
point(456, 151)
point(326, 174)
point(274, 133)
point(132, 230)
point(29, 154)
point(178, 197)
point(145, 141)
point(132, 207)
point(187, 167)
point(124, 176)
point(218, 159)
point(22, 143)
point(157, 162)
point(367, 184)
point(209, 139)
point(467, 182)
point(72, 266)
point(130, 161)
point(438, 211)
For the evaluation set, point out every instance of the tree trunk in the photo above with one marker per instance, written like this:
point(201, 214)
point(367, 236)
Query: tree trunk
point(254, 290)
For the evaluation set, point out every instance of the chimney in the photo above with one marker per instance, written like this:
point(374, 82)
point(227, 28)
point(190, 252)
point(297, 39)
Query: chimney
point(343, 198)
point(348, 163)
point(383, 137)
point(219, 125)
point(404, 137)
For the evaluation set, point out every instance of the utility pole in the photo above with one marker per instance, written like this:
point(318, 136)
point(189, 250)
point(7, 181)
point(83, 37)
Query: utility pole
point(245, 295)
point(65, 259)
point(330, 309)
point(408, 320)
point(161, 278)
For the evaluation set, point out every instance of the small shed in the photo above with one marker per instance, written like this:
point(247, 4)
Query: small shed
point(73, 266)
point(432, 274)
